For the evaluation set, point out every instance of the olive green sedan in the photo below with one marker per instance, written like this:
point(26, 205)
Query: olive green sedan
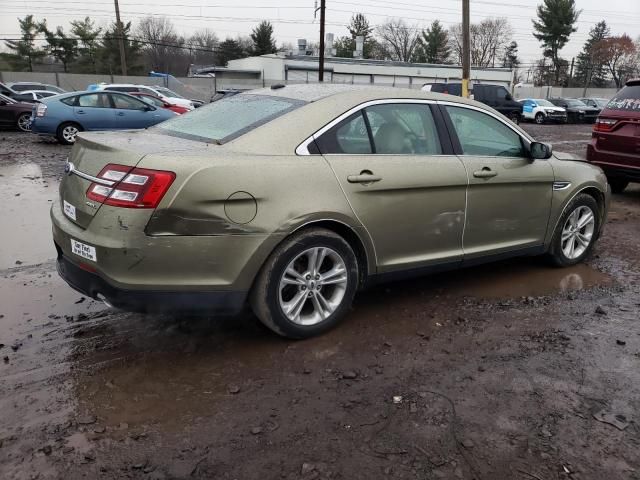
point(291, 199)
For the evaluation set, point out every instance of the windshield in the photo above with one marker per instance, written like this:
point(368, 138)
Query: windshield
point(544, 103)
point(627, 99)
point(229, 117)
point(575, 103)
point(167, 93)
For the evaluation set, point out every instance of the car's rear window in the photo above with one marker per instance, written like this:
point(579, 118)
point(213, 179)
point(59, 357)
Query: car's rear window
point(627, 99)
point(229, 117)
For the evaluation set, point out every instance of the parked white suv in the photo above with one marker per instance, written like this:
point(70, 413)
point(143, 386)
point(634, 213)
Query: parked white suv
point(165, 94)
point(541, 111)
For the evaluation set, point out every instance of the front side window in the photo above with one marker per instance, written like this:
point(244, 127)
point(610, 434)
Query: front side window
point(483, 135)
point(127, 103)
point(229, 117)
point(152, 100)
point(94, 100)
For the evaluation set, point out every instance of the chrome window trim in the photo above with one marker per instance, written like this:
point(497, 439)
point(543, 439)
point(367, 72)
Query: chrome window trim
point(303, 150)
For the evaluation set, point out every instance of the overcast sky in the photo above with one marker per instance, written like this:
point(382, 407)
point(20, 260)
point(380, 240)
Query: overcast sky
point(293, 19)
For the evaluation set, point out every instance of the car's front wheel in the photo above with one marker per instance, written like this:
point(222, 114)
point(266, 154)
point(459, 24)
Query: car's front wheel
point(307, 284)
point(67, 133)
point(539, 118)
point(24, 122)
point(576, 231)
point(514, 117)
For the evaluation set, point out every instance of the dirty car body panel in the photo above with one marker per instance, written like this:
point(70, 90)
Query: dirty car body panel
point(239, 188)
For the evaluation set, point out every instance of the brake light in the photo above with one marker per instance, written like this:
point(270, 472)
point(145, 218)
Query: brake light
point(41, 110)
point(604, 124)
point(132, 187)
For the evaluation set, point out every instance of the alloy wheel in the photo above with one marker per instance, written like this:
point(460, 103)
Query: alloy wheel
point(69, 133)
point(24, 123)
point(313, 286)
point(577, 233)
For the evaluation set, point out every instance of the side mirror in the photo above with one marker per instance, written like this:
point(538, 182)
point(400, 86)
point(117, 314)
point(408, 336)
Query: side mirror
point(149, 108)
point(509, 97)
point(540, 151)
point(3, 103)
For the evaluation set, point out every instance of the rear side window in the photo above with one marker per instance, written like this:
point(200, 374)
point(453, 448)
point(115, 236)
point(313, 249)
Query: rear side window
point(385, 129)
point(95, 100)
point(229, 117)
point(71, 101)
point(627, 99)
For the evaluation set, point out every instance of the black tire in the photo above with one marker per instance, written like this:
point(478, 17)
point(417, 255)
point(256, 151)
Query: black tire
point(60, 132)
point(556, 253)
point(515, 117)
point(265, 295)
point(617, 184)
point(540, 118)
point(23, 122)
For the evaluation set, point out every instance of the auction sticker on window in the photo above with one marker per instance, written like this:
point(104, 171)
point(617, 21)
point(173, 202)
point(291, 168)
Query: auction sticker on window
point(69, 210)
point(83, 250)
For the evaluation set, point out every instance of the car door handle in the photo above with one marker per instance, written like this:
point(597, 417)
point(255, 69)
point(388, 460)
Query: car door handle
point(120, 114)
point(81, 112)
point(365, 177)
point(486, 172)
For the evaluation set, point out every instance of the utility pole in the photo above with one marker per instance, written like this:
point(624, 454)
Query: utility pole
point(123, 58)
point(321, 60)
point(570, 81)
point(466, 49)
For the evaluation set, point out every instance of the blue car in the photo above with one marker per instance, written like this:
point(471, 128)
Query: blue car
point(63, 116)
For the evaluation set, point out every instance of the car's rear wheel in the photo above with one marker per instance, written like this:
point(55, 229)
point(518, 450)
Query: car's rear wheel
point(307, 284)
point(514, 117)
point(67, 132)
point(24, 122)
point(617, 184)
point(576, 231)
point(539, 118)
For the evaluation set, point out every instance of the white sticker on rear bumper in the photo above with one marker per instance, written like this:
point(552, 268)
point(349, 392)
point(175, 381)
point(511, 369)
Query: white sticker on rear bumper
point(69, 210)
point(83, 250)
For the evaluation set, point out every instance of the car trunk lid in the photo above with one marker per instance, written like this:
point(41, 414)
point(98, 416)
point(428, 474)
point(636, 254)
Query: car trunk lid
point(92, 153)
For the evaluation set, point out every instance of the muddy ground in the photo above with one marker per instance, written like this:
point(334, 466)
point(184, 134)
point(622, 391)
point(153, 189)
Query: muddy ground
point(508, 371)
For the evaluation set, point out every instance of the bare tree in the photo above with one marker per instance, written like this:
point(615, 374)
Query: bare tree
point(203, 45)
point(489, 39)
point(398, 38)
point(161, 44)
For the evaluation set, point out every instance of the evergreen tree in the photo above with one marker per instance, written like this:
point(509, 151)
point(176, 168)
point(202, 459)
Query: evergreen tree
point(61, 47)
point(109, 53)
point(511, 60)
point(26, 51)
point(589, 70)
point(262, 38)
point(433, 45)
point(555, 24)
point(358, 27)
point(229, 50)
point(89, 45)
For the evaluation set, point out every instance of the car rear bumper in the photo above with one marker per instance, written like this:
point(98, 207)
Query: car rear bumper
point(615, 164)
point(220, 302)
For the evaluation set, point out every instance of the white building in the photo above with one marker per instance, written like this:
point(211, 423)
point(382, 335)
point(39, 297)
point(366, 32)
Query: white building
point(304, 68)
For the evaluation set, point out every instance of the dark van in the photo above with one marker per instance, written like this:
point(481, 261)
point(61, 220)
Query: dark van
point(615, 140)
point(496, 96)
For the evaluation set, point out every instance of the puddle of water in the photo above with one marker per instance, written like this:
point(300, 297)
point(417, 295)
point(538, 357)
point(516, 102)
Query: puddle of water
point(522, 278)
point(26, 229)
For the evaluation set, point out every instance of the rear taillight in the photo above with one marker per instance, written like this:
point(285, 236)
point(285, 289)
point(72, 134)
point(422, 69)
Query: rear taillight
point(604, 124)
point(132, 187)
point(41, 110)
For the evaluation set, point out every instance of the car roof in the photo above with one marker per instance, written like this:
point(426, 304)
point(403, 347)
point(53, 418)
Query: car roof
point(316, 92)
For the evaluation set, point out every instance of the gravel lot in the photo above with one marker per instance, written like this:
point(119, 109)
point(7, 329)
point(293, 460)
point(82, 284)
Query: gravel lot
point(508, 371)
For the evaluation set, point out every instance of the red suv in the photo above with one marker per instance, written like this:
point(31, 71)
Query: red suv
point(615, 141)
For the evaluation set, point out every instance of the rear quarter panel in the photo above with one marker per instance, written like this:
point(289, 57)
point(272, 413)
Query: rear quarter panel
point(267, 197)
